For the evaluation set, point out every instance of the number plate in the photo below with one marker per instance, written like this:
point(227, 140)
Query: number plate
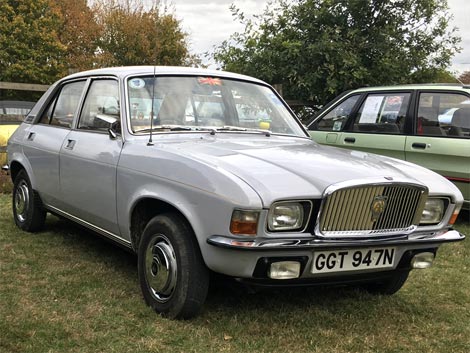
point(352, 260)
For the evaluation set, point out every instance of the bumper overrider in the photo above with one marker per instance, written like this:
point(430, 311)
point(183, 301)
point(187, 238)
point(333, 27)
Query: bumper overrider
point(312, 260)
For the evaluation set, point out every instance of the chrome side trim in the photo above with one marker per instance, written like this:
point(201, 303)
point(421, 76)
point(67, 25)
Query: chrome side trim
point(88, 225)
point(431, 239)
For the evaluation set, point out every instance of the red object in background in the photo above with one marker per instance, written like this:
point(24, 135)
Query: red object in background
point(209, 81)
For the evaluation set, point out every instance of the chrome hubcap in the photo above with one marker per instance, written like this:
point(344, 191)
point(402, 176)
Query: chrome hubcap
point(21, 200)
point(160, 268)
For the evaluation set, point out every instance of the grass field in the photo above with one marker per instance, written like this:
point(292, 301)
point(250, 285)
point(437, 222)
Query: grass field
point(66, 290)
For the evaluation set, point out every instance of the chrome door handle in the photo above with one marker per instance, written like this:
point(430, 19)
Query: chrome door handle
point(70, 144)
point(31, 136)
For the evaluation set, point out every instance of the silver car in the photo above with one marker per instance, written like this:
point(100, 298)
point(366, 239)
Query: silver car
point(199, 171)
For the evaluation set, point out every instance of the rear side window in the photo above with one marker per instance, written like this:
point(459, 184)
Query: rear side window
point(336, 119)
point(382, 113)
point(443, 115)
point(63, 107)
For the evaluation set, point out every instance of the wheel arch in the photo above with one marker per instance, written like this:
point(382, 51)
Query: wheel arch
point(143, 210)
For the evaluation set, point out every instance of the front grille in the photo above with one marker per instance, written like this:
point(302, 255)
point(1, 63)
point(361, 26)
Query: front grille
point(372, 210)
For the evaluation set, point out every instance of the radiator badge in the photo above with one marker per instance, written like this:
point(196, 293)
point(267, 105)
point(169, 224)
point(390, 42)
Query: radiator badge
point(378, 206)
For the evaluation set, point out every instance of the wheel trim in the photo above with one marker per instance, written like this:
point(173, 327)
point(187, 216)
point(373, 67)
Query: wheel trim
point(22, 199)
point(161, 268)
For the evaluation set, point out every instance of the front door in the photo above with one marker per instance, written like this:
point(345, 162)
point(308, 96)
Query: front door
point(89, 158)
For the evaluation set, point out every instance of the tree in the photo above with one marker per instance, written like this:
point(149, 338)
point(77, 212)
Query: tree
point(79, 33)
point(133, 35)
point(30, 49)
point(319, 48)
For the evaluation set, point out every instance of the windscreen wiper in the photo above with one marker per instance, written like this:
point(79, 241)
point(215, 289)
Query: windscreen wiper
point(237, 128)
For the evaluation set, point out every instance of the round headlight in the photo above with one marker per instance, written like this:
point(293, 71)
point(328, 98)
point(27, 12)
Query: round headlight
point(283, 216)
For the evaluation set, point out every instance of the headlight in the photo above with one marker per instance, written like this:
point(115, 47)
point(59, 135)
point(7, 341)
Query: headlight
point(433, 211)
point(284, 216)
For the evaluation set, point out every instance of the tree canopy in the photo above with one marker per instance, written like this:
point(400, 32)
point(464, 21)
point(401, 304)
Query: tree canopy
point(42, 40)
point(30, 49)
point(319, 48)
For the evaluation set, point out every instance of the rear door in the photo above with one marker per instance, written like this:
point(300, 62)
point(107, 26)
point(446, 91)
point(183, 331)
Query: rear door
point(43, 140)
point(89, 158)
point(441, 139)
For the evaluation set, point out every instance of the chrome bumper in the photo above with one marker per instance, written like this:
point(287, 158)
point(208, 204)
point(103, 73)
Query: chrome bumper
point(434, 239)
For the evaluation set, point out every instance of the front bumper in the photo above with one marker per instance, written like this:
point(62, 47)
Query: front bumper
point(248, 259)
point(264, 244)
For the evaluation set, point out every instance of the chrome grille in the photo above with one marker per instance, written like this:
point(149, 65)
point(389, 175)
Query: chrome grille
point(372, 210)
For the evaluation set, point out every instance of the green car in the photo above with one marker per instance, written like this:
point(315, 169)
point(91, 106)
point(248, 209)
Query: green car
point(424, 124)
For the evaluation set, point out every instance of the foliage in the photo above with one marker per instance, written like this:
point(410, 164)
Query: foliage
point(135, 36)
point(42, 40)
point(30, 49)
point(465, 77)
point(79, 33)
point(318, 49)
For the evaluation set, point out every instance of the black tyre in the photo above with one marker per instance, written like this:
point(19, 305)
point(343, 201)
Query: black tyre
point(172, 273)
point(389, 285)
point(28, 211)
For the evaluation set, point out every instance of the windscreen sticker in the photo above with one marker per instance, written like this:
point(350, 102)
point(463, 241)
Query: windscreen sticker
point(136, 83)
point(209, 81)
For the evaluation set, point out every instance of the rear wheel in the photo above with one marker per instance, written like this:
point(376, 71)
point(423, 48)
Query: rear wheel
point(172, 274)
point(28, 210)
point(389, 285)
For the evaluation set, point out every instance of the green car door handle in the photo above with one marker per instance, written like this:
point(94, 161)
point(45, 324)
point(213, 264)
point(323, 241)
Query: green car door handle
point(419, 145)
point(350, 139)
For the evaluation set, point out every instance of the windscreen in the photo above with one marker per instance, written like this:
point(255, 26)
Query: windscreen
point(194, 103)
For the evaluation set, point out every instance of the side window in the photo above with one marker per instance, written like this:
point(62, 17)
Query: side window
point(443, 114)
point(101, 107)
point(61, 110)
point(382, 113)
point(337, 117)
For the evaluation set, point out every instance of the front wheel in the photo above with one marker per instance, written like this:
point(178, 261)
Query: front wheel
point(172, 274)
point(389, 285)
point(28, 211)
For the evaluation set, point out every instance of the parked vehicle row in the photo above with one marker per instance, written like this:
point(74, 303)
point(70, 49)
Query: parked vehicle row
point(424, 124)
point(198, 171)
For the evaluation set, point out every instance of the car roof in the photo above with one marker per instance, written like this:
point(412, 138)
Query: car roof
point(420, 86)
point(125, 71)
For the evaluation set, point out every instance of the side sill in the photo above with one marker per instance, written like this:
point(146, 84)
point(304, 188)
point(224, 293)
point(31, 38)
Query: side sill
point(115, 238)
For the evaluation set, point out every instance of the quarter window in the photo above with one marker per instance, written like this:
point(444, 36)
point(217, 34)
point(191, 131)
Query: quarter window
point(101, 107)
point(383, 113)
point(443, 114)
point(336, 119)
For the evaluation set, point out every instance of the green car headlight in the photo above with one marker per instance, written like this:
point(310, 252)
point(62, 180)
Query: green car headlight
point(433, 211)
point(283, 216)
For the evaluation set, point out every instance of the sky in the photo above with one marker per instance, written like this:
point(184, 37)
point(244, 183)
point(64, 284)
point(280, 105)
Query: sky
point(209, 22)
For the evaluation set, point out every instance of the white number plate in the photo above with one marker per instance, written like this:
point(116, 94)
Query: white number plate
point(352, 260)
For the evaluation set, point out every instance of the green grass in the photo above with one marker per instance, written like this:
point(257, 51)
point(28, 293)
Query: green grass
point(66, 290)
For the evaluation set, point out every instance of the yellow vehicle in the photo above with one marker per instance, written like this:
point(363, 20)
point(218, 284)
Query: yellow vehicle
point(12, 113)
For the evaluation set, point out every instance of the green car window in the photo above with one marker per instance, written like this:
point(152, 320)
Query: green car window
point(383, 113)
point(443, 115)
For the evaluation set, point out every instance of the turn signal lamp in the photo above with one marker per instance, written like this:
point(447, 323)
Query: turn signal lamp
point(244, 222)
